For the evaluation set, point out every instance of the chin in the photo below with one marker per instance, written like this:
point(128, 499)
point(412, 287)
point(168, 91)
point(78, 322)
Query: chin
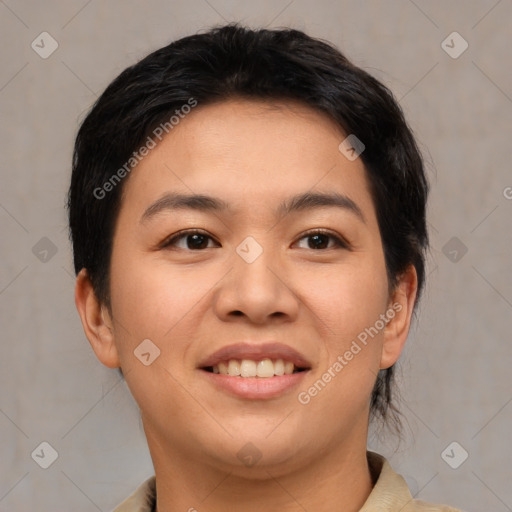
point(253, 453)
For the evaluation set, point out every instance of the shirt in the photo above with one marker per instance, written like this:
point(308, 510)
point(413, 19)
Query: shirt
point(389, 494)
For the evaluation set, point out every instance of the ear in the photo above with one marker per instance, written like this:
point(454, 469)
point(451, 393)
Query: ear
point(96, 321)
point(400, 311)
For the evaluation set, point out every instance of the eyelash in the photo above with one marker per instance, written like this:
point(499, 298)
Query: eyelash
point(338, 241)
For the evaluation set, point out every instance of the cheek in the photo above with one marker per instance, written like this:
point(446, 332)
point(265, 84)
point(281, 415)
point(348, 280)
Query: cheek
point(347, 304)
point(347, 299)
point(347, 312)
point(151, 299)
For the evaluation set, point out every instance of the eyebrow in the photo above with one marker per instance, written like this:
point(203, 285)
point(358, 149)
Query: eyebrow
point(299, 202)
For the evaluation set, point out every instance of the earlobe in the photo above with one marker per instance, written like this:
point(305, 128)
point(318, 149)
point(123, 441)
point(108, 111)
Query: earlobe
point(96, 321)
point(400, 313)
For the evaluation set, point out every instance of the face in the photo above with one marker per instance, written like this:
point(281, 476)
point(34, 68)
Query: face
point(276, 272)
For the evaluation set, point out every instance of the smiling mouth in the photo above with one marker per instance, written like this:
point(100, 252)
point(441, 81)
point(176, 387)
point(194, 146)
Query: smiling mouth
point(248, 368)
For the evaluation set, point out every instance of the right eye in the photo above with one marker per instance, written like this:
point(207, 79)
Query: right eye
point(190, 239)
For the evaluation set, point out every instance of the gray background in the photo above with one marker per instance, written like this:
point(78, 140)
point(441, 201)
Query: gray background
point(456, 370)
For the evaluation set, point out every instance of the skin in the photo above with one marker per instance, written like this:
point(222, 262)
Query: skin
point(191, 302)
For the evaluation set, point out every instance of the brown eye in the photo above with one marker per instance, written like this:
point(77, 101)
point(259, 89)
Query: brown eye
point(318, 240)
point(192, 240)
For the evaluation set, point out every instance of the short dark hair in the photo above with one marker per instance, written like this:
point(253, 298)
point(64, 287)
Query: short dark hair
point(233, 61)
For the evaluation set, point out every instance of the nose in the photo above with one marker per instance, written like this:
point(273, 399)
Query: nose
point(257, 291)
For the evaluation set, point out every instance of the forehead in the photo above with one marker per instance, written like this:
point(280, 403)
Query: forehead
point(241, 150)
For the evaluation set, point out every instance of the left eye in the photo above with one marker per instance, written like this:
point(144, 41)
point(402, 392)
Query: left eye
point(320, 240)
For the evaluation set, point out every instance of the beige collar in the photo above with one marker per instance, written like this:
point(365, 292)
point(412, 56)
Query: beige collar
point(389, 494)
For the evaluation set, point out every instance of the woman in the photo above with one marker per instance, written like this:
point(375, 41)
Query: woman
point(247, 212)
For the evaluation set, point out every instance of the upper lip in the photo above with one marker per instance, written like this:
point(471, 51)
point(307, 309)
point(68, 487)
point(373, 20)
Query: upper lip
point(256, 352)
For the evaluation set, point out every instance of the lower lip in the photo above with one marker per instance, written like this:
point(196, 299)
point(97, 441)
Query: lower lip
point(255, 388)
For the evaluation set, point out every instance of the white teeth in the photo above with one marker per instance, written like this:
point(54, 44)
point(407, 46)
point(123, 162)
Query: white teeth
point(265, 368)
point(248, 368)
point(288, 368)
point(279, 367)
point(234, 367)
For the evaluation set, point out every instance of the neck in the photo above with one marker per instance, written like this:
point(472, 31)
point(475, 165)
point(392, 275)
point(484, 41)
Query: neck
point(337, 480)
